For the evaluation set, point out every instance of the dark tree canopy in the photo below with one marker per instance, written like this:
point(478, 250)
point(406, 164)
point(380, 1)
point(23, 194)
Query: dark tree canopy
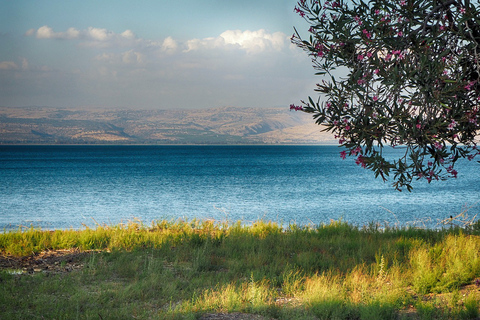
point(397, 73)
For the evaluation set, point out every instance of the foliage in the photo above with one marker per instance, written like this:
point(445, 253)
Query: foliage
point(186, 269)
point(402, 73)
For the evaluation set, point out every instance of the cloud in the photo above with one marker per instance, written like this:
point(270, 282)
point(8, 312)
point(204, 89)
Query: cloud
point(8, 65)
point(255, 41)
point(46, 32)
point(249, 41)
point(98, 34)
point(132, 56)
point(128, 34)
point(234, 67)
point(169, 45)
point(91, 36)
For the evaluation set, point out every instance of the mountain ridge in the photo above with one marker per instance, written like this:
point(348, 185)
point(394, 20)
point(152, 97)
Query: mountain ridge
point(221, 125)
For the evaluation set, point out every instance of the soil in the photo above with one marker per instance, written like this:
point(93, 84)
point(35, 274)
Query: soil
point(232, 316)
point(55, 261)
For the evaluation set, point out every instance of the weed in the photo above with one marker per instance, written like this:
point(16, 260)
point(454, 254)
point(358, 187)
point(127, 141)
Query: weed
point(183, 269)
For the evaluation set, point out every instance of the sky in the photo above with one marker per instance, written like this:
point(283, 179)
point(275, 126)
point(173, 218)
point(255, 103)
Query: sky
point(152, 54)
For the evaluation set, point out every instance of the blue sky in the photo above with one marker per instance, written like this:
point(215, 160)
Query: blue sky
point(151, 54)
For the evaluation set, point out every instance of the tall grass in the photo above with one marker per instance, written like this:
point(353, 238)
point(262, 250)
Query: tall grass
point(183, 269)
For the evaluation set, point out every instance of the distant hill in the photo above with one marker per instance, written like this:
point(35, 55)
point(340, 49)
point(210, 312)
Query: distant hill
point(225, 125)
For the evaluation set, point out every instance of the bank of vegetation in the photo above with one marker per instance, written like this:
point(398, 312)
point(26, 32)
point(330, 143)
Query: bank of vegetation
point(189, 269)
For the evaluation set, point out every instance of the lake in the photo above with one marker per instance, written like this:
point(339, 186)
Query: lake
point(60, 187)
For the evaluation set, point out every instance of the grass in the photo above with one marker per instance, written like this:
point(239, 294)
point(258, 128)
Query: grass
point(185, 269)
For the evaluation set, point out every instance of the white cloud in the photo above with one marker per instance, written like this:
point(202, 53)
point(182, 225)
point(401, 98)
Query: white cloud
point(249, 41)
point(128, 34)
point(92, 36)
point(46, 32)
point(98, 34)
point(71, 33)
point(132, 56)
point(255, 41)
point(108, 57)
point(169, 45)
point(235, 67)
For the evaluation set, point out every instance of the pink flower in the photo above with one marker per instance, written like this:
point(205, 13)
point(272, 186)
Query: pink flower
point(361, 161)
point(418, 126)
point(376, 71)
point(358, 20)
point(452, 125)
point(375, 98)
point(300, 12)
point(438, 146)
point(366, 33)
point(452, 171)
point(360, 57)
point(347, 127)
point(356, 151)
point(468, 87)
point(343, 154)
point(400, 34)
point(296, 108)
point(403, 2)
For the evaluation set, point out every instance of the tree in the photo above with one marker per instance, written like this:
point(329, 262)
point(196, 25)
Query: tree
point(397, 73)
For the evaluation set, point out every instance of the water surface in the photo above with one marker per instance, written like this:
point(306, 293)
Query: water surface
point(71, 186)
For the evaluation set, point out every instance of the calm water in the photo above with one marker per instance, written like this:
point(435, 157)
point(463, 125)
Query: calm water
point(67, 186)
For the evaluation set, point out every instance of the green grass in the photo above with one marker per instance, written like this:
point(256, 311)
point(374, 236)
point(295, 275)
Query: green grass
point(184, 269)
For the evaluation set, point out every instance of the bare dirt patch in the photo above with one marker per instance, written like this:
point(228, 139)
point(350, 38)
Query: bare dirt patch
point(232, 316)
point(54, 261)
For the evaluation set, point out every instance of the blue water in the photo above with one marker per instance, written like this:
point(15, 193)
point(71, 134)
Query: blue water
point(58, 187)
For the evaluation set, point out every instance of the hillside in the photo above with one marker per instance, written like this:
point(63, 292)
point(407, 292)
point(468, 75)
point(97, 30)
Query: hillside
point(225, 125)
